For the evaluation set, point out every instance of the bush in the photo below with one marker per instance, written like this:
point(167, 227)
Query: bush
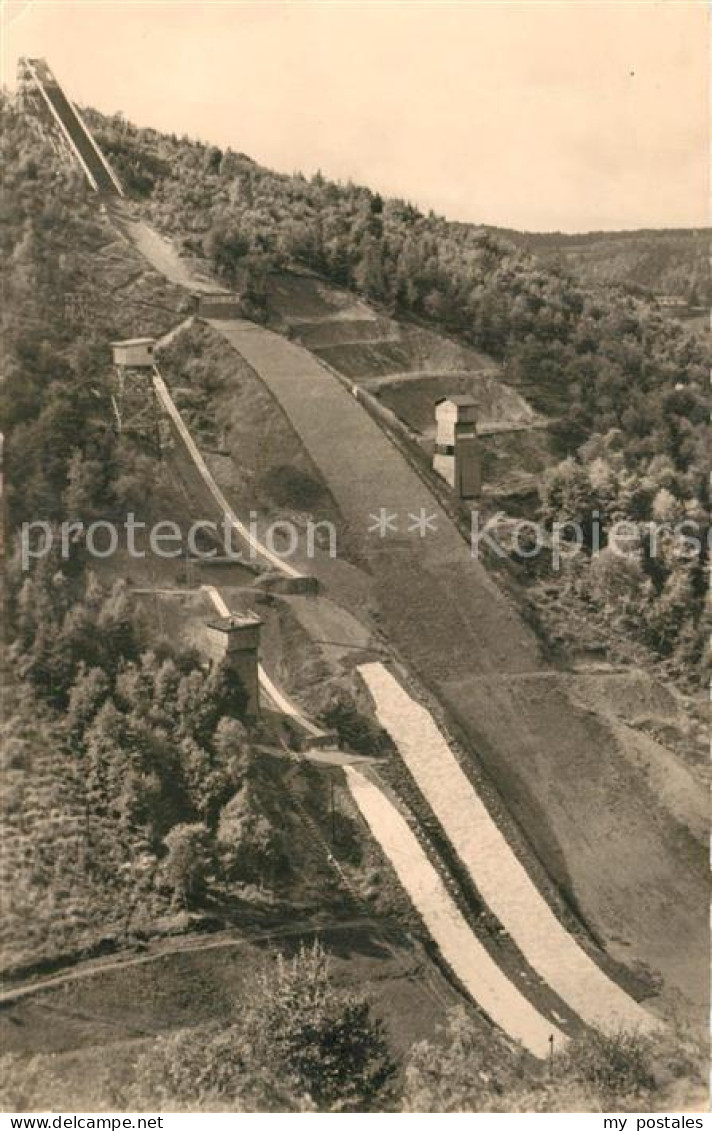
point(355, 730)
point(615, 1065)
point(187, 864)
point(297, 1044)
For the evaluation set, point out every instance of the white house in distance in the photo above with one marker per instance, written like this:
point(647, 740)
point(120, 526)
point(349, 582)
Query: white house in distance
point(220, 305)
point(457, 456)
point(134, 353)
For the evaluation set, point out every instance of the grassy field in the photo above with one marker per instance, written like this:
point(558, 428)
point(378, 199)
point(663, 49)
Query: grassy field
point(205, 980)
point(87, 1034)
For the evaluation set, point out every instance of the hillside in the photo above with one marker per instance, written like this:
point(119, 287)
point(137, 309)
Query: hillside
point(546, 329)
point(123, 754)
point(660, 262)
point(617, 380)
point(92, 789)
point(317, 406)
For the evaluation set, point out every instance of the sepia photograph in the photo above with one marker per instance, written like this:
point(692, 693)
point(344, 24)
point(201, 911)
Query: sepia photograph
point(355, 532)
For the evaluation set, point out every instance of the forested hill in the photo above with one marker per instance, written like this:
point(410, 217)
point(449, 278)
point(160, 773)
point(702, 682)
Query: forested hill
point(139, 804)
point(593, 360)
point(624, 383)
point(671, 261)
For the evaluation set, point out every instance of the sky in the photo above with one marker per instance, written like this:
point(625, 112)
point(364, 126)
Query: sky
point(541, 116)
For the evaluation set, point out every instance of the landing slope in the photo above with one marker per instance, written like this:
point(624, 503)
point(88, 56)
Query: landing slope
point(499, 877)
point(619, 857)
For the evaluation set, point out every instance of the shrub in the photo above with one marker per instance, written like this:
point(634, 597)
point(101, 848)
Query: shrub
point(614, 1064)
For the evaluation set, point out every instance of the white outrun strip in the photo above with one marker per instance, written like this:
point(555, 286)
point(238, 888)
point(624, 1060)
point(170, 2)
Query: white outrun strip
point(498, 875)
point(457, 942)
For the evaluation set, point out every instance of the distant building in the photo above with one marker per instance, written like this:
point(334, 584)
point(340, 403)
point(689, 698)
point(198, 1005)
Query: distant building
point(134, 353)
point(677, 301)
point(219, 305)
point(235, 640)
point(457, 454)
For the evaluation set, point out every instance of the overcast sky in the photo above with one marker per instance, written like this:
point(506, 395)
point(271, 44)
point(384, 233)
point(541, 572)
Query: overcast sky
point(541, 116)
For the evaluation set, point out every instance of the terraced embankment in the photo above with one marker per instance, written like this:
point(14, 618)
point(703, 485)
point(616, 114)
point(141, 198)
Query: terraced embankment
point(381, 354)
point(618, 856)
point(407, 368)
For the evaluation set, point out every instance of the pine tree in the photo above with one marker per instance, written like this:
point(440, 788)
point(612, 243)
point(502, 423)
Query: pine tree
point(326, 1040)
point(186, 866)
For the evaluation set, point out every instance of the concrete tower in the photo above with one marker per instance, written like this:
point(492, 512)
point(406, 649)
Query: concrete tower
point(457, 454)
point(235, 640)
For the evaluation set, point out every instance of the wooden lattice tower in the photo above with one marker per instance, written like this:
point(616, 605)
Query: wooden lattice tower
point(133, 397)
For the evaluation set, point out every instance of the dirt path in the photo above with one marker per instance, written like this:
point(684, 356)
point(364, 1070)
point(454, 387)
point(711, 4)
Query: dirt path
point(459, 946)
point(91, 969)
point(496, 872)
point(159, 252)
